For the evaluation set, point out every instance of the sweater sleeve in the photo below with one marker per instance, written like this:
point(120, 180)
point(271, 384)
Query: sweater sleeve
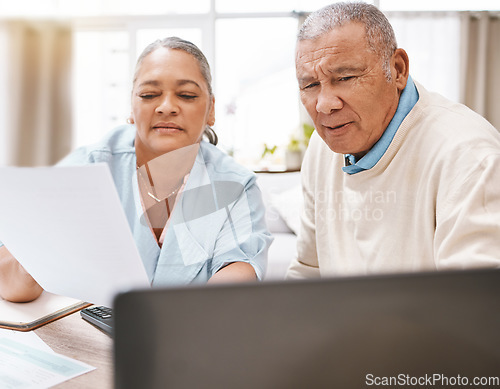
point(468, 224)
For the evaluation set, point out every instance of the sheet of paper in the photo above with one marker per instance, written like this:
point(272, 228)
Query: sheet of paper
point(66, 226)
point(23, 366)
point(28, 338)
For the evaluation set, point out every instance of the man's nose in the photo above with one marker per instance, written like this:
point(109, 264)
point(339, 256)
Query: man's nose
point(328, 100)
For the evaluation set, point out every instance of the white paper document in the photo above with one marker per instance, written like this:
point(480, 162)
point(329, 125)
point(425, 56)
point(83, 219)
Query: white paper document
point(66, 226)
point(29, 338)
point(26, 367)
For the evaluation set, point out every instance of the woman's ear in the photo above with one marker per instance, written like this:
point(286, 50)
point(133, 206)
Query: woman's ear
point(130, 119)
point(211, 113)
point(401, 65)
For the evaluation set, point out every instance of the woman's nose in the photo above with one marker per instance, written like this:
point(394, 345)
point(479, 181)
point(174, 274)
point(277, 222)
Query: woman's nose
point(168, 105)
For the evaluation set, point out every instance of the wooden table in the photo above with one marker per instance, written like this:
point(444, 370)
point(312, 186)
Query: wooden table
point(75, 338)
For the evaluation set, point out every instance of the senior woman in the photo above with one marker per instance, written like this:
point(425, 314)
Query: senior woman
point(196, 215)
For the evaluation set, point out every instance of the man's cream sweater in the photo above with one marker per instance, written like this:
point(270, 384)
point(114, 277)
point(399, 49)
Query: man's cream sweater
point(432, 202)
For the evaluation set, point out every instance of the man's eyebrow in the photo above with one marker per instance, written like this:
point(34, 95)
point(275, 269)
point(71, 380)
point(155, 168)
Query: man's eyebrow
point(335, 70)
point(347, 69)
point(305, 80)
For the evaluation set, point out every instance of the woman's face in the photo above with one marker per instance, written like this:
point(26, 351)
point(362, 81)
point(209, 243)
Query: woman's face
point(171, 105)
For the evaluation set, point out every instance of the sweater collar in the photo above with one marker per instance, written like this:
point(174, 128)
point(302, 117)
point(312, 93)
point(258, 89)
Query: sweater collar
point(408, 99)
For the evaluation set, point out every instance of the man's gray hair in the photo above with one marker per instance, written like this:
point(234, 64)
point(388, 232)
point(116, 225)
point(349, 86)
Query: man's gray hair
point(176, 43)
point(379, 33)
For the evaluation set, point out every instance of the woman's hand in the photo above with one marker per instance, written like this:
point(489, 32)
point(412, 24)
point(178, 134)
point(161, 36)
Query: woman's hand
point(16, 284)
point(234, 272)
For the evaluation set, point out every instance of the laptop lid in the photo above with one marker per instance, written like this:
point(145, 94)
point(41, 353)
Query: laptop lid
point(437, 329)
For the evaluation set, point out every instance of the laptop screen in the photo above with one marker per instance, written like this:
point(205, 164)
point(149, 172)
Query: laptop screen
point(432, 328)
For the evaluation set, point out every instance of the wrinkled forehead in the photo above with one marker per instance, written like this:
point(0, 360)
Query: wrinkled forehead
point(308, 54)
point(348, 39)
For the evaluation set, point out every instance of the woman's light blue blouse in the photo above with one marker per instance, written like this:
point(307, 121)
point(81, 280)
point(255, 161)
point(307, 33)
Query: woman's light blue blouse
point(218, 219)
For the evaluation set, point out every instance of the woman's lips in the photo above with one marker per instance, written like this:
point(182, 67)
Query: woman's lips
point(166, 128)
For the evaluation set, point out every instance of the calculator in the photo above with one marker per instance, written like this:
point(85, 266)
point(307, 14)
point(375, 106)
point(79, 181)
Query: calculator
point(100, 316)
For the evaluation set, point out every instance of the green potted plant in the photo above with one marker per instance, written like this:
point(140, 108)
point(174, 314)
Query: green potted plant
point(266, 159)
point(296, 147)
point(307, 130)
point(293, 153)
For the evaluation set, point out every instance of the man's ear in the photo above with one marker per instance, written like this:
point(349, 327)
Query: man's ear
point(401, 68)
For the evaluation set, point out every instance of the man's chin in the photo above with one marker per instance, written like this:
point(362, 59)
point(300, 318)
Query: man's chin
point(338, 148)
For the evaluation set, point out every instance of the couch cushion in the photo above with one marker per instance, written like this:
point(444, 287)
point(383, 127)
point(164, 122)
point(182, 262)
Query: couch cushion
point(288, 204)
point(282, 252)
point(271, 186)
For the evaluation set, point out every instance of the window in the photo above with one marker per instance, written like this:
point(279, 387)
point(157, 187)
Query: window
point(438, 5)
point(261, 6)
point(256, 92)
point(4, 125)
point(250, 47)
point(101, 98)
point(83, 8)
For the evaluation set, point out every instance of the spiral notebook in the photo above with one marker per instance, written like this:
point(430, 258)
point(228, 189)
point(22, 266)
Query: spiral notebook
point(45, 309)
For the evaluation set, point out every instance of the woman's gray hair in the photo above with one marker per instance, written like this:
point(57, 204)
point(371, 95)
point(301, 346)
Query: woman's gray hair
point(176, 43)
point(379, 33)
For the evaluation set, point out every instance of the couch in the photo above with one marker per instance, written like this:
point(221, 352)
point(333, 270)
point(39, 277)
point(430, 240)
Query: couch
point(282, 197)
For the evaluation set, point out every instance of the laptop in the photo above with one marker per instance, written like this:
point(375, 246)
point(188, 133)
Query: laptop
point(436, 329)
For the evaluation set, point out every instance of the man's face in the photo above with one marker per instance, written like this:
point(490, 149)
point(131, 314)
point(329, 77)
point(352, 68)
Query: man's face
point(344, 88)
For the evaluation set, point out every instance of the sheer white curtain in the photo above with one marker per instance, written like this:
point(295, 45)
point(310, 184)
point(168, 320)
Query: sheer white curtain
point(37, 72)
point(3, 96)
point(456, 54)
point(480, 75)
point(432, 41)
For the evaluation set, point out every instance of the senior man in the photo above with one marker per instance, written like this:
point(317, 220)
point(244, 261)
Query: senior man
point(395, 178)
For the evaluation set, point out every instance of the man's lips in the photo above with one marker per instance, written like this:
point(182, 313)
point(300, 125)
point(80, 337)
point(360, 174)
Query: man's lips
point(337, 127)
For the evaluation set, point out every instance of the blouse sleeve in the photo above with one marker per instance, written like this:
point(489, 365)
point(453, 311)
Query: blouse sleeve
point(244, 236)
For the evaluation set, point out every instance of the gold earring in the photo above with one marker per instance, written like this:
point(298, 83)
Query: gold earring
point(130, 120)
